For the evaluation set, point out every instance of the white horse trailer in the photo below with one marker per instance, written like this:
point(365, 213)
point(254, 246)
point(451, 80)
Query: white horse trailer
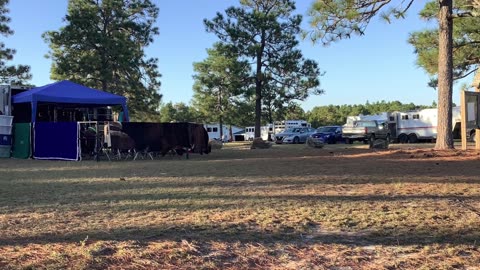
point(249, 133)
point(413, 126)
point(279, 126)
point(266, 132)
point(213, 131)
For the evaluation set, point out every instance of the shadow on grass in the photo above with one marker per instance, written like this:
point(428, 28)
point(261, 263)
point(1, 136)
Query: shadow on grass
point(244, 234)
point(187, 184)
point(323, 167)
point(39, 195)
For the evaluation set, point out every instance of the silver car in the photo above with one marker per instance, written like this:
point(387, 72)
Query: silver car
point(294, 135)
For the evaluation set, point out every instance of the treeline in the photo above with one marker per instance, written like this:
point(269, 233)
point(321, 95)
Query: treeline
point(318, 116)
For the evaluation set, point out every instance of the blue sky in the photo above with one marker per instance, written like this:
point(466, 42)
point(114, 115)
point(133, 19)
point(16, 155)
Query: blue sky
point(377, 66)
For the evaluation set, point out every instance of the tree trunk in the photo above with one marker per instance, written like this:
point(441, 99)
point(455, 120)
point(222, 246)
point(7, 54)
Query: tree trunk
point(220, 114)
point(258, 88)
point(258, 104)
point(445, 77)
point(104, 85)
point(220, 124)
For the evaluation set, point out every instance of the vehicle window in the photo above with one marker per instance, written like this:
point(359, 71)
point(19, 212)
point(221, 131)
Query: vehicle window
point(327, 129)
point(365, 124)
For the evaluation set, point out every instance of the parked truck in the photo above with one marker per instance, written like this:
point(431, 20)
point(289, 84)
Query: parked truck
point(366, 131)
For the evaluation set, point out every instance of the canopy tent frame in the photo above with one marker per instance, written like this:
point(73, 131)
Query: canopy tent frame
point(67, 92)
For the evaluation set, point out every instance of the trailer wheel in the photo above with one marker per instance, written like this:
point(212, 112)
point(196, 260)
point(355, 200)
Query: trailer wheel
point(403, 138)
point(413, 138)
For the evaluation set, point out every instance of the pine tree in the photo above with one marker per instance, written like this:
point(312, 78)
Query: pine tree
point(338, 19)
point(103, 46)
point(221, 85)
point(20, 74)
point(265, 33)
point(466, 42)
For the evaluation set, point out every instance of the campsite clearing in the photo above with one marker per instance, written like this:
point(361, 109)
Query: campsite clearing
point(288, 207)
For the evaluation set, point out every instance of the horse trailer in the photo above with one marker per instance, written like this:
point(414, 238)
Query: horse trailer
point(268, 131)
point(412, 126)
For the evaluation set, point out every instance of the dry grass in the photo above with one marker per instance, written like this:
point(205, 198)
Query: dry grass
point(289, 207)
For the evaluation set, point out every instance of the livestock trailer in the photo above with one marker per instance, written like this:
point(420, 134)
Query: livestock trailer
point(213, 131)
point(268, 131)
point(413, 126)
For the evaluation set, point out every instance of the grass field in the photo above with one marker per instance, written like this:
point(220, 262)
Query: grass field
point(289, 207)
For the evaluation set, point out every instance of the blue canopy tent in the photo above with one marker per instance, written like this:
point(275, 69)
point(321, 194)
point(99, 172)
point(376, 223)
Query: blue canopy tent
point(71, 93)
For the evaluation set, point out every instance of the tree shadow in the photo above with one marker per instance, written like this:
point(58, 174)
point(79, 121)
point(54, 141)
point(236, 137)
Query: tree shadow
point(242, 233)
point(322, 166)
point(180, 180)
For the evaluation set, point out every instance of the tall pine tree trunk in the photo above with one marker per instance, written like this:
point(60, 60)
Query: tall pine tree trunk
point(258, 87)
point(445, 76)
point(220, 126)
point(258, 104)
point(220, 114)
